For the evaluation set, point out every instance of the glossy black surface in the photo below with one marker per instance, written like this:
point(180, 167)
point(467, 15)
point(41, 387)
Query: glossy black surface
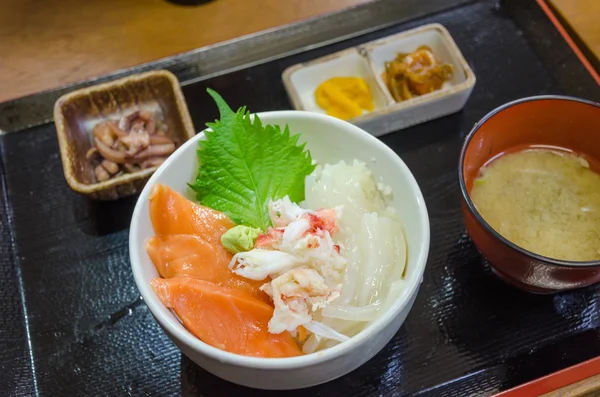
point(67, 283)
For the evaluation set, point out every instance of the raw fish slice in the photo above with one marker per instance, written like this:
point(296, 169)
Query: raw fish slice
point(185, 254)
point(172, 213)
point(225, 318)
point(167, 248)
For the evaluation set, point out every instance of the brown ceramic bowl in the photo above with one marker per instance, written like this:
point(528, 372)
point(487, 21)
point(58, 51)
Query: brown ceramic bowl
point(76, 113)
point(566, 122)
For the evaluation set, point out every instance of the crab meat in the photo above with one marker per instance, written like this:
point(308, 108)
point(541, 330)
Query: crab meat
point(297, 294)
point(303, 262)
point(324, 219)
point(271, 239)
point(283, 211)
point(304, 239)
point(259, 264)
point(297, 227)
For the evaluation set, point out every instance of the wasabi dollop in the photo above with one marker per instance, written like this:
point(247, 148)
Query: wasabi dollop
point(240, 238)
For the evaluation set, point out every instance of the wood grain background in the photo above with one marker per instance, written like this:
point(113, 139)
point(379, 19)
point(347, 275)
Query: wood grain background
point(47, 44)
point(582, 20)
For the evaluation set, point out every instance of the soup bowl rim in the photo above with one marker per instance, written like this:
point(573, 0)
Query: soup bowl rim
point(471, 206)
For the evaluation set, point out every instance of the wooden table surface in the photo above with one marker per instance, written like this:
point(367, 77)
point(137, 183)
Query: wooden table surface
point(47, 44)
point(583, 19)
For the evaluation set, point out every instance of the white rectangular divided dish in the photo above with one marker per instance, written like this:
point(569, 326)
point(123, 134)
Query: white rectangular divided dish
point(368, 61)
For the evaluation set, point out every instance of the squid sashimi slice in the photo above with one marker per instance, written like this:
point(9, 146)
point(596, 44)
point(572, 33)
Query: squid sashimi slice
point(224, 317)
point(190, 255)
point(172, 213)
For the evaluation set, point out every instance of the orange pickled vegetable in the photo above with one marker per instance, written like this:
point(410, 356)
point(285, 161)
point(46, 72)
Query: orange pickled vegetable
point(224, 317)
point(344, 97)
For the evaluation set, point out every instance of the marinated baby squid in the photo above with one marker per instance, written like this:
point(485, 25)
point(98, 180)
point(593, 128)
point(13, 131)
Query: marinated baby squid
point(134, 142)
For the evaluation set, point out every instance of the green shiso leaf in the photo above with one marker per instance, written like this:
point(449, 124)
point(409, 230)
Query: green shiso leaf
point(244, 163)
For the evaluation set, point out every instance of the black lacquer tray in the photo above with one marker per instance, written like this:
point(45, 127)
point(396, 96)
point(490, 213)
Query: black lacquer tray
point(72, 322)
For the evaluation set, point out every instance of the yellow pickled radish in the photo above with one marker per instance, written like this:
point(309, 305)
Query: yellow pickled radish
point(344, 97)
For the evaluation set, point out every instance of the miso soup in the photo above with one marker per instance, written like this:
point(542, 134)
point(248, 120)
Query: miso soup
point(546, 201)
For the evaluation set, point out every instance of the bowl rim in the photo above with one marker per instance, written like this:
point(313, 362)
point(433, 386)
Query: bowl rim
point(469, 202)
point(175, 329)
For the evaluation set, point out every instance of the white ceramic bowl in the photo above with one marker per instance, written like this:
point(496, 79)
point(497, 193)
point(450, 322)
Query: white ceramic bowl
point(329, 141)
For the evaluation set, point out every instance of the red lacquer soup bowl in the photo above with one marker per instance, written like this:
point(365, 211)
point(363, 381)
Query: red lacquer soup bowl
point(565, 122)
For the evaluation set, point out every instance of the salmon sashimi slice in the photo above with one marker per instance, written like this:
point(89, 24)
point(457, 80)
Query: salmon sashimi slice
point(172, 213)
point(225, 318)
point(164, 249)
point(190, 255)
